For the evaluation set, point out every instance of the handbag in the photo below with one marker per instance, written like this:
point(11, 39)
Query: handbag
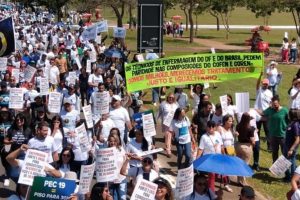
point(230, 150)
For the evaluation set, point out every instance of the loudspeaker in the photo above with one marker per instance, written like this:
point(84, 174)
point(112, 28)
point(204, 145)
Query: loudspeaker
point(150, 26)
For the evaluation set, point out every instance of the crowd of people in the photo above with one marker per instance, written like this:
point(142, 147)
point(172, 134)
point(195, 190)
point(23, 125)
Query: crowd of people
point(82, 70)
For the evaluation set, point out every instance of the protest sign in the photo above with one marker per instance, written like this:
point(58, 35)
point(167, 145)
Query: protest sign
point(185, 182)
point(51, 188)
point(29, 73)
point(242, 102)
point(44, 86)
point(144, 190)
point(17, 64)
point(149, 152)
point(138, 118)
point(102, 26)
point(3, 63)
point(167, 121)
point(88, 66)
point(90, 33)
point(84, 142)
point(106, 164)
point(280, 166)
point(16, 98)
point(86, 176)
point(101, 104)
point(87, 112)
point(119, 32)
point(34, 165)
point(148, 125)
point(140, 57)
point(72, 78)
point(54, 103)
point(224, 104)
point(78, 63)
point(16, 74)
point(192, 69)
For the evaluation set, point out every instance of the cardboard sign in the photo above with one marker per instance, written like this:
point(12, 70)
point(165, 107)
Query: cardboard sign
point(29, 73)
point(78, 63)
point(34, 165)
point(16, 74)
point(224, 104)
point(85, 144)
point(144, 190)
point(72, 78)
point(185, 182)
point(280, 166)
point(86, 177)
point(167, 121)
point(89, 33)
point(54, 103)
point(88, 66)
point(148, 125)
point(16, 98)
point(242, 102)
point(119, 32)
point(51, 188)
point(44, 86)
point(87, 112)
point(3, 63)
point(106, 165)
point(101, 104)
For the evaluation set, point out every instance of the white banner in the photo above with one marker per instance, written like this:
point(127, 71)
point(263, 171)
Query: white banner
point(54, 103)
point(44, 86)
point(87, 112)
point(144, 190)
point(280, 166)
point(242, 102)
point(119, 32)
point(16, 74)
point(16, 96)
point(89, 33)
point(106, 165)
point(34, 165)
point(148, 125)
point(102, 26)
point(185, 182)
point(29, 73)
point(86, 177)
point(84, 142)
point(3, 63)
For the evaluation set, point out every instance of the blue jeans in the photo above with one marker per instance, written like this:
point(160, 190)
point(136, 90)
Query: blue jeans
point(119, 191)
point(290, 172)
point(256, 149)
point(185, 149)
point(293, 55)
point(155, 95)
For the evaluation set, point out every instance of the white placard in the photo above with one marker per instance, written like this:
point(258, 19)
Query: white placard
point(148, 125)
point(144, 190)
point(87, 112)
point(185, 182)
point(86, 177)
point(280, 166)
point(149, 152)
point(140, 57)
point(242, 102)
point(286, 35)
point(16, 74)
point(84, 142)
point(167, 121)
point(17, 64)
point(101, 103)
point(72, 78)
point(224, 104)
point(29, 73)
point(3, 63)
point(102, 26)
point(54, 103)
point(78, 63)
point(206, 85)
point(90, 33)
point(106, 165)
point(16, 96)
point(34, 165)
point(44, 86)
point(119, 32)
point(88, 66)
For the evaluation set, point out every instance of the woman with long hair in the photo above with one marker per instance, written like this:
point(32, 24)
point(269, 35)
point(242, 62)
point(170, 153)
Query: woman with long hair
point(245, 142)
point(57, 132)
point(164, 190)
point(66, 159)
point(100, 191)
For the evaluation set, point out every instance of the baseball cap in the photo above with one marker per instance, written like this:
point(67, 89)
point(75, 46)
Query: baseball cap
point(265, 81)
point(247, 191)
point(117, 97)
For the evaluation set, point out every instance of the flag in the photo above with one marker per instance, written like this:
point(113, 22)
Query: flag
point(7, 37)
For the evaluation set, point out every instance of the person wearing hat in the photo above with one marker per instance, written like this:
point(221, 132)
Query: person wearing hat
point(164, 189)
point(73, 97)
point(247, 193)
point(274, 76)
point(262, 102)
point(69, 116)
point(120, 116)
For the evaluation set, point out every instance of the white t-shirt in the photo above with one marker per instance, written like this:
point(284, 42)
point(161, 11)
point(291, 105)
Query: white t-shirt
point(95, 79)
point(295, 103)
point(227, 137)
point(47, 145)
point(107, 125)
point(296, 195)
point(78, 154)
point(167, 110)
point(273, 75)
point(181, 130)
point(69, 119)
point(74, 99)
point(211, 144)
point(182, 99)
point(58, 138)
point(263, 99)
point(53, 75)
point(231, 110)
point(120, 116)
point(120, 160)
point(135, 148)
point(196, 101)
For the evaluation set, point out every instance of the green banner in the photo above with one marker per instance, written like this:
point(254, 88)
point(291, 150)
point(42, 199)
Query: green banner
point(191, 69)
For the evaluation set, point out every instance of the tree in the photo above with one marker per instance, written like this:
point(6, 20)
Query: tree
point(292, 6)
point(118, 7)
point(184, 9)
point(262, 8)
point(168, 4)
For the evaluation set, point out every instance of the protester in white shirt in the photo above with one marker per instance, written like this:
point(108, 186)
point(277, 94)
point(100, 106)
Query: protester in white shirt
point(53, 74)
point(272, 75)
point(182, 98)
point(294, 95)
point(69, 116)
point(95, 79)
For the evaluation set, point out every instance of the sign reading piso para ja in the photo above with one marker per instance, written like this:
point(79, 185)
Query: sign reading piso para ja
point(191, 69)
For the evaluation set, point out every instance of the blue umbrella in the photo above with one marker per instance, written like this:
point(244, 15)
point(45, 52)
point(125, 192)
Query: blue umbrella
point(223, 165)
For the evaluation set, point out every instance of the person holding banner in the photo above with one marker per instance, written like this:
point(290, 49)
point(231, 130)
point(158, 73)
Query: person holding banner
point(181, 130)
point(166, 113)
point(164, 190)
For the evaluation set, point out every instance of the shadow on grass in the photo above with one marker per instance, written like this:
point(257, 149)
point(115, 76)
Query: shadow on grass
point(207, 37)
point(266, 178)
